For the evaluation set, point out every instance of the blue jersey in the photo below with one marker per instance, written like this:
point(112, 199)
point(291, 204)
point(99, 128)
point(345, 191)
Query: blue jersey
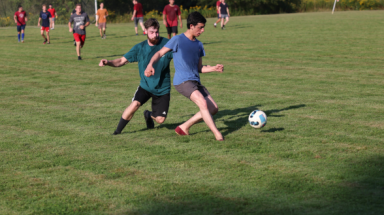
point(45, 17)
point(186, 56)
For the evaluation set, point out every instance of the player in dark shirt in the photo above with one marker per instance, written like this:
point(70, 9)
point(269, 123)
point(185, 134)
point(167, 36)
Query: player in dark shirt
point(81, 20)
point(73, 12)
point(224, 13)
point(45, 16)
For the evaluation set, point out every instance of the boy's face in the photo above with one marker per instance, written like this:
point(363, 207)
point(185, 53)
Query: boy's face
point(198, 29)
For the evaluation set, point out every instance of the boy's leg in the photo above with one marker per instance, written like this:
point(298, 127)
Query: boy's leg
point(222, 22)
point(127, 116)
point(141, 24)
point(202, 103)
point(213, 109)
point(48, 37)
point(226, 20)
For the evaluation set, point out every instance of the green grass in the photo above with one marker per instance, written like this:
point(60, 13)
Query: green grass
point(318, 77)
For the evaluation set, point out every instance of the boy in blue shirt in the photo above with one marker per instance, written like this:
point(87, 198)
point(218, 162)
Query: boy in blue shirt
point(45, 16)
point(187, 53)
point(157, 87)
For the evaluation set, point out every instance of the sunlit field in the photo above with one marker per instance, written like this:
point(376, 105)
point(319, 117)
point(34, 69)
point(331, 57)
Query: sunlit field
point(318, 77)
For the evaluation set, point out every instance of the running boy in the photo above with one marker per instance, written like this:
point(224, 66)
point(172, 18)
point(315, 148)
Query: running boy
point(224, 14)
point(157, 87)
point(218, 13)
point(188, 53)
point(53, 14)
point(137, 15)
point(102, 20)
point(45, 16)
point(20, 18)
point(81, 21)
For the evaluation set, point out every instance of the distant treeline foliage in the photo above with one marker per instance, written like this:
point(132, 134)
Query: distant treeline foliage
point(121, 10)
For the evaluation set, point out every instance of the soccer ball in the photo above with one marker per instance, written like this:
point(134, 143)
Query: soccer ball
point(257, 119)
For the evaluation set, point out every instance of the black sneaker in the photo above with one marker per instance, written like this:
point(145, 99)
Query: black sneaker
point(79, 58)
point(116, 133)
point(74, 43)
point(148, 119)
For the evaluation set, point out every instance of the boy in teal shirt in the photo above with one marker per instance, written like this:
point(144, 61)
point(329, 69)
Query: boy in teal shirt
point(157, 87)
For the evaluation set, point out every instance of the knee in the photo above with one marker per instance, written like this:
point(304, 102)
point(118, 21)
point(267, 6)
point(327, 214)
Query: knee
point(136, 104)
point(214, 110)
point(160, 119)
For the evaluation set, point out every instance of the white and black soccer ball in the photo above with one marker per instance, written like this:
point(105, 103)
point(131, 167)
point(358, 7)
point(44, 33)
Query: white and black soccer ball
point(257, 119)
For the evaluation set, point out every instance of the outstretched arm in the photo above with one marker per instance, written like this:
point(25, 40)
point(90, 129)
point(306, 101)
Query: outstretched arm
point(114, 63)
point(208, 68)
point(149, 71)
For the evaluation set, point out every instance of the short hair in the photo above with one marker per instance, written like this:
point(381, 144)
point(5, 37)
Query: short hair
point(101, 2)
point(50, 5)
point(194, 18)
point(151, 22)
point(78, 5)
point(44, 5)
point(20, 6)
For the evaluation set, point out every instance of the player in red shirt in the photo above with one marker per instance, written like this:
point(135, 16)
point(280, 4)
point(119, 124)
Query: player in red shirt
point(137, 15)
point(218, 13)
point(171, 11)
point(53, 14)
point(20, 18)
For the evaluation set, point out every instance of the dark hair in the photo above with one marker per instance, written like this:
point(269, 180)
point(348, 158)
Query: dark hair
point(194, 18)
point(50, 5)
point(151, 22)
point(78, 5)
point(44, 5)
point(20, 6)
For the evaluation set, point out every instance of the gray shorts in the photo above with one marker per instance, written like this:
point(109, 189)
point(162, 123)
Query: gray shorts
point(224, 16)
point(137, 20)
point(53, 19)
point(188, 87)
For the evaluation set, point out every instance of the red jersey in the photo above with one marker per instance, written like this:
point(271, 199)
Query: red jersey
point(172, 13)
point(53, 12)
point(139, 10)
point(20, 17)
point(218, 5)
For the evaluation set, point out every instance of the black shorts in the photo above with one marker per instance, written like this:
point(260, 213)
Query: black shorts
point(20, 27)
point(172, 29)
point(160, 104)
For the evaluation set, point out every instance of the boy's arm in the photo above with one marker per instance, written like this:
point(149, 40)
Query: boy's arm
point(208, 68)
point(14, 17)
point(114, 63)
point(164, 20)
point(228, 11)
point(181, 22)
point(149, 71)
point(219, 11)
point(38, 23)
point(133, 15)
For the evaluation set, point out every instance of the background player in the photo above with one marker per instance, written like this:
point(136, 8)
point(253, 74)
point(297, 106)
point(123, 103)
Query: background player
point(137, 15)
point(81, 20)
point(170, 14)
point(45, 16)
point(187, 54)
point(224, 14)
point(218, 13)
point(53, 14)
point(20, 18)
point(158, 87)
point(73, 12)
point(102, 20)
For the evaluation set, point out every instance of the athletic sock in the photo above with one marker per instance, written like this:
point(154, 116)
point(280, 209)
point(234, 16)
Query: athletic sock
point(121, 125)
point(22, 36)
point(18, 37)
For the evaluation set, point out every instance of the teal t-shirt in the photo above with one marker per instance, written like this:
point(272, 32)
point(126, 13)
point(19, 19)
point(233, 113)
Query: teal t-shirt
point(160, 83)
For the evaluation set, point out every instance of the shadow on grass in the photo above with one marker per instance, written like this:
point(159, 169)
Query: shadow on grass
point(353, 187)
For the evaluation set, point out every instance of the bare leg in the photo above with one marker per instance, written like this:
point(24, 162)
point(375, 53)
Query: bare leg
point(48, 37)
point(174, 34)
point(42, 34)
point(101, 35)
point(105, 30)
point(130, 110)
point(142, 26)
point(226, 21)
point(53, 24)
point(222, 22)
point(207, 106)
point(78, 48)
point(218, 21)
point(159, 119)
point(136, 30)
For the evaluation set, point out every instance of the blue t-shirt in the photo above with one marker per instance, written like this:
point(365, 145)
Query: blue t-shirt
point(45, 17)
point(160, 83)
point(186, 56)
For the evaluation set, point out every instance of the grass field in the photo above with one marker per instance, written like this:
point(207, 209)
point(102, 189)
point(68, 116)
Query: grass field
point(319, 78)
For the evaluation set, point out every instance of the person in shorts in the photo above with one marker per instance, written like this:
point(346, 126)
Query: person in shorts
point(157, 87)
point(45, 16)
point(53, 14)
point(218, 13)
point(81, 21)
point(187, 53)
point(137, 15)
point(73, 12)
point(170, 14)
point(224, 14)
point(101, 20)
point(20, 18)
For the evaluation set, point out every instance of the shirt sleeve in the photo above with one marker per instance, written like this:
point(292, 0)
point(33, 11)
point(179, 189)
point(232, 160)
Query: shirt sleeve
point(40, 15)
point(173, 44)
point(86, 18)
point(135, 7)
point(49, 15)
point(165, 10)
point(71, 19)
point(169, 55)
point(178, 11)
point(25, 14)
point(202, 51)
point(131, 56)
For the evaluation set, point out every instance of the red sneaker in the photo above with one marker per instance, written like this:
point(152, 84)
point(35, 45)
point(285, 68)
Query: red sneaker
point(144, 33)
point(179, 131)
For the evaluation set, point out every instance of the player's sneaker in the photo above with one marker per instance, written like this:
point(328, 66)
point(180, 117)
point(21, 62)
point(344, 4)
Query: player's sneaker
point(148, 119)
point(48, 43)
point(74, 43)
point(45, 41)
point(116, 133)
point(79, 58)
point(179, 131)
point(137, 34)
point(105, 36)
point(18, 41)
point(22, 41)
point(214, 24)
